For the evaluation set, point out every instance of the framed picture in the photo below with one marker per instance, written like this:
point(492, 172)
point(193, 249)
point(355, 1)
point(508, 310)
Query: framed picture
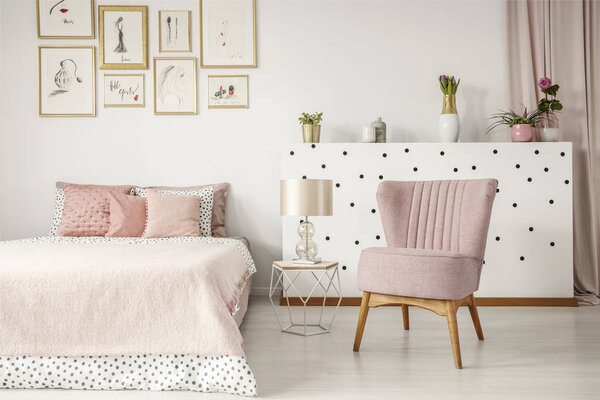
point(174, 85)
point(123, 37)
point(228, 34)
point(58, 19)
point(228, 91)
point(67, 81)
point(174, 31)
point(124, 90)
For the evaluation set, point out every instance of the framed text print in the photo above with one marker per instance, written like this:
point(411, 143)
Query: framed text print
point(228, 91)
point(123, 37)
point(67, 81)
point(174, 31)
point(58, 19)
point(124, 90)
point(174, 85)
point(228, 34)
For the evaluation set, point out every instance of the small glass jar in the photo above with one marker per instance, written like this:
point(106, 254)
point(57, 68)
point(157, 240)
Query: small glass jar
point(548, 127)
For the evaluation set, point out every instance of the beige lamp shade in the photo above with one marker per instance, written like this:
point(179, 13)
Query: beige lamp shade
point(306, 197)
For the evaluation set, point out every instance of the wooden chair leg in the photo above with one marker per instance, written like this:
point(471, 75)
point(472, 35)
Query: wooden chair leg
point(453, 329)
point(362, 319)
point(405, 317)
point(475, 318)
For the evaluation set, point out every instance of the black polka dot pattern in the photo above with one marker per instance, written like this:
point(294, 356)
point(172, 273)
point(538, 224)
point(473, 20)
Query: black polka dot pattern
point(223, 374)
point(528, 180)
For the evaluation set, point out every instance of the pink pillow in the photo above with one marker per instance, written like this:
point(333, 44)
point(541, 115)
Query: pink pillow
point(172, 215)
point(86, 209)
point(127, 215)
point(220, 191)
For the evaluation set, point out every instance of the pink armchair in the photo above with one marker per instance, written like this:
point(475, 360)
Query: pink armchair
point(436, 232)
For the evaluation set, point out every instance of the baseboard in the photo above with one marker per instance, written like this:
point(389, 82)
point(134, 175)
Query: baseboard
point(259, 291)
point(480, 301)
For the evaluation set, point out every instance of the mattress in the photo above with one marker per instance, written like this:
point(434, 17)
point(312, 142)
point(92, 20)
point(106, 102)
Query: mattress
point(201, 370)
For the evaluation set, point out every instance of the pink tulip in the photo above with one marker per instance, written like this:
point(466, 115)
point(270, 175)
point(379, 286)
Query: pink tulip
point(544, 83)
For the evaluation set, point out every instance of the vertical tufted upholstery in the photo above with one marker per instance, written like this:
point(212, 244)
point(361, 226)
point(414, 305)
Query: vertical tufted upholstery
point(450, 215)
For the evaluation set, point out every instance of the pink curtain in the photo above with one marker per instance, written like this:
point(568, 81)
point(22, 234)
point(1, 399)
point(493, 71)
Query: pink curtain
point(561, 40)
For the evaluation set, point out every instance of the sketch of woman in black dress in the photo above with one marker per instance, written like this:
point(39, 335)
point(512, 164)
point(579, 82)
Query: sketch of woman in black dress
point(121, 46)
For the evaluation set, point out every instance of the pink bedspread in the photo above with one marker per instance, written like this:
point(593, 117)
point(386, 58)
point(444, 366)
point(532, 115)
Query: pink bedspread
point(92, 299)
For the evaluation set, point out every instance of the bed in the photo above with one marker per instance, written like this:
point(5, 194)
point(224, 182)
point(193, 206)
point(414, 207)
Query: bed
point(101, 313)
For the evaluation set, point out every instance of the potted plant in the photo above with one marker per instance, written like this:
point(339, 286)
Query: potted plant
point(449, 124)
point(521, 126)
point(311, 128)
point(548, 122)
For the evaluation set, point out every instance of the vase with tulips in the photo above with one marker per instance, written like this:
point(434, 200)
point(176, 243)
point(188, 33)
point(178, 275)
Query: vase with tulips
point(449, 125)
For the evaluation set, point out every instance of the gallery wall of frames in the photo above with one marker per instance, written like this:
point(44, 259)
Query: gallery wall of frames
point(68, 72)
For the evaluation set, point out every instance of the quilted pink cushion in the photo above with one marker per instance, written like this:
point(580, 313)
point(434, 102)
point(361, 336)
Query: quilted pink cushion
point(127, 215)
point(86, 209)
point(172, 215)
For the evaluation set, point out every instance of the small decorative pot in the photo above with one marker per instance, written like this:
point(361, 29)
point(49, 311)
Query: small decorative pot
point(449, 125)
point(368, 135)
point(521, 133)
point(380, 128)
point(311, 133)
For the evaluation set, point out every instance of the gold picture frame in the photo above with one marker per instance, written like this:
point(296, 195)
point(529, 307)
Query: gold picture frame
point(203, 59)
point(245, 104)
point(92, 34)
point(191, 96)
point(189, 35)
point(113, 105)
point(92, 89)
point(101, 38)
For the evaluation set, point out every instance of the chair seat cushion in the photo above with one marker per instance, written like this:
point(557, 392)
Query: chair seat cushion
point(431, 274)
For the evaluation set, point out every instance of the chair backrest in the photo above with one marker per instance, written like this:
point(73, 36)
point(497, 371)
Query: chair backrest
point(449, 215)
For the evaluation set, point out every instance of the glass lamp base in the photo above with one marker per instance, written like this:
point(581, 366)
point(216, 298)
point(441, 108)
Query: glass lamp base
point(306, 248)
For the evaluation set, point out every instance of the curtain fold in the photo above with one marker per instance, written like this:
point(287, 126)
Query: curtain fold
point(561, 40)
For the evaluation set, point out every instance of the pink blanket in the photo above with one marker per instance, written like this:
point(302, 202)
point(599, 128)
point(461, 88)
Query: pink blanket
point(91, 299)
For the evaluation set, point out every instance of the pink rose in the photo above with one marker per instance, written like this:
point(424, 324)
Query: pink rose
point(544, 83)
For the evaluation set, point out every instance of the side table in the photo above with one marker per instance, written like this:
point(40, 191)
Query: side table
point(327, 277)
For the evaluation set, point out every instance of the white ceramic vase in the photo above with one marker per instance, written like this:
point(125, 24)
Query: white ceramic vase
point(368, 135)
point(449, 128)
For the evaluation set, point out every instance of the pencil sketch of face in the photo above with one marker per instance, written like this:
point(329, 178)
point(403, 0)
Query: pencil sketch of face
point(65, 77)
point(120, 45)
point(171, 84)
point(62, 10)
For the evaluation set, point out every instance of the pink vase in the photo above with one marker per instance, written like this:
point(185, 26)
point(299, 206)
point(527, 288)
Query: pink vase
point(521, 133)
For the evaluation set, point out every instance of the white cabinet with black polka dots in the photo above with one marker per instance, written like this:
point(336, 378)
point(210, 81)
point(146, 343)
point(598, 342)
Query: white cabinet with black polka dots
point(529, 248)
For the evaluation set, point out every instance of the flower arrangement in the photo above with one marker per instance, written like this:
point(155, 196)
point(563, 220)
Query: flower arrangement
point(511, 118)
point(546, 104)
point(448, 84)
point(310, 119)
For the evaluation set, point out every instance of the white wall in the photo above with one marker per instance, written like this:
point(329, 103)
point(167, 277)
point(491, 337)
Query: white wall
point(353, 60)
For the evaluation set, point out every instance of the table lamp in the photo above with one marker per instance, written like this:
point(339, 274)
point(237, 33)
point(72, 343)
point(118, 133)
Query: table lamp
point(306, 198)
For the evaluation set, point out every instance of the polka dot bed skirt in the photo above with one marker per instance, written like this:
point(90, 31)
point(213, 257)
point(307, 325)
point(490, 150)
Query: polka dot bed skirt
point(224, 374)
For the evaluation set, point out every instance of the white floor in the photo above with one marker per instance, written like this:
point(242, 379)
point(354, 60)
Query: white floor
point(528, 353)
